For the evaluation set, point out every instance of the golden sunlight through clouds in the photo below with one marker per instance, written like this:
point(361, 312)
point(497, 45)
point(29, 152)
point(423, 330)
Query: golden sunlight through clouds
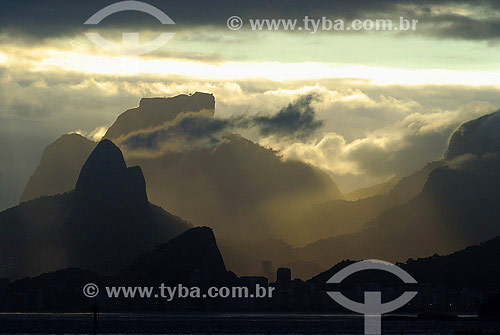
point(279, 71)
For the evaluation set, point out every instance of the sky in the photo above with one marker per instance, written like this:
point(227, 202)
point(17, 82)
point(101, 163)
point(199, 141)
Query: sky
point(378, 103)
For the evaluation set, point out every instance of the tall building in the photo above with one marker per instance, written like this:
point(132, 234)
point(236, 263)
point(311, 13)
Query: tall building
point(284, 276)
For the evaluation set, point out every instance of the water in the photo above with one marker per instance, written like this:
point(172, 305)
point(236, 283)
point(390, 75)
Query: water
point(220, 323)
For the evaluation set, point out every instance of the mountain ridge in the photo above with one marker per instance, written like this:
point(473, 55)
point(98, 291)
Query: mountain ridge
point(456, 208)
point(156, 111)
point(100, 225)
point(199, 184)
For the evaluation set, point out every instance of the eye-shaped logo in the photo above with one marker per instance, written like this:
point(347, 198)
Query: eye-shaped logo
point(373, 308)
point(130, 41)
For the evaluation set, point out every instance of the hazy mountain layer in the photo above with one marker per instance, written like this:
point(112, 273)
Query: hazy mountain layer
point(156, 111)
point(192, 256)
point(371, 191)
point(191, 259)
point(59, 168)
point(338, 217)
point(102, 225)
point(475, 267)
point(476, 137)
point(457, 207)
point(237, 187)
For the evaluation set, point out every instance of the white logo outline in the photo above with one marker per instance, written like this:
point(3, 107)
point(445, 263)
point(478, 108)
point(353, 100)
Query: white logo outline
point(130, 41)
point(373, 308)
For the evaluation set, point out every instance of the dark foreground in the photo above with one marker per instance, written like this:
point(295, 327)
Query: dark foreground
point(201, 323)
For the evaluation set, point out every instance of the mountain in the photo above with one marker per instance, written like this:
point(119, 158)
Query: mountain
point(106, 180)
point(59, 168)
point(476, 137)
point(191, 259)
point(62, 160)
point(241, 189)
point(455, 283)
point(101, 225)
point(177, 261)
point(339, 217)
point(457, 207)
point(476, 267)
point(156, 111)
point(372, 191)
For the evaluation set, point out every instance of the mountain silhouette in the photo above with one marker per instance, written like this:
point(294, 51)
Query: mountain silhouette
point(102, 225)
point(340, 217)
point(476, 267)
point(457, 207)
point(156, 111)
point(372, 191)
point(106, 179)
point(239, 188)
point(476, 137)
point(62, 160)
point(190, 259)
point(248, 193)
point(177, 261)
point(59, 167)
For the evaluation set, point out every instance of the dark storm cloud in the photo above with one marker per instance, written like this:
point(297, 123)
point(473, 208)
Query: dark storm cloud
point(464, 27)
point(296, 122)
point(186, 131)
point(50, 18)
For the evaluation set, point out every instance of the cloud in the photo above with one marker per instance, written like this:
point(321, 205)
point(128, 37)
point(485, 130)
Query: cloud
point(359, 133)
point(295, 122)
point(187, 131)
point(40, 106)
point(95, 135)
point(462, 27)
point(400, 148)
point(56, 18)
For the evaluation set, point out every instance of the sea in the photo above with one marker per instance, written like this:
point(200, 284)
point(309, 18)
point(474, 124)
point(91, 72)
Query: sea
point(230, 323)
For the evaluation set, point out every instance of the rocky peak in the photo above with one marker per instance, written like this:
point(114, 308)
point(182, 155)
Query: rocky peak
point(156, 111)
point(106, 161)
point(476, 137)
point(58, 170)
point(194, 251)
point(105, 176)
point(183, 102)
